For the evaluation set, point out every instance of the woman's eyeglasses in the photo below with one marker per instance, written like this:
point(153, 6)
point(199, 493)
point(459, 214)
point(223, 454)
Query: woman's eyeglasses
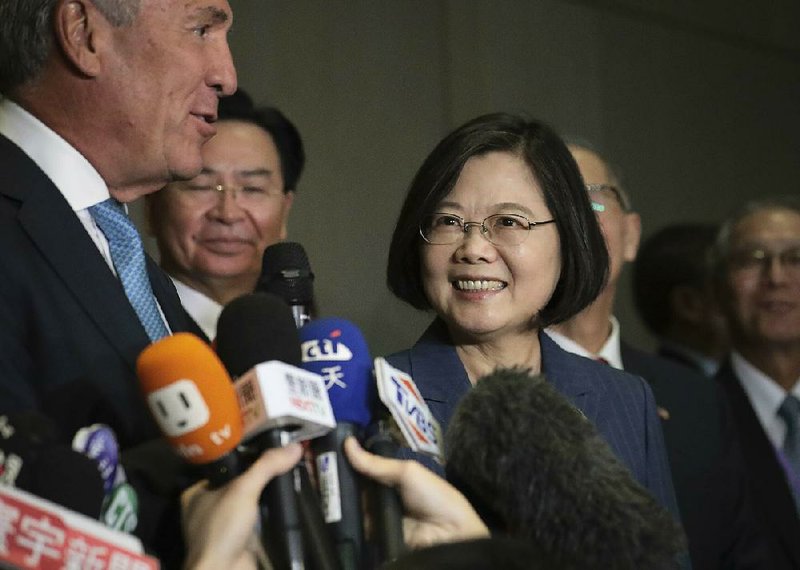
point(441, 228)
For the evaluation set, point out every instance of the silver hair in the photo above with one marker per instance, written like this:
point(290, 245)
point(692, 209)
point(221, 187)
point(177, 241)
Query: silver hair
point(26, 35)
point(720, 250)
point(614, 172)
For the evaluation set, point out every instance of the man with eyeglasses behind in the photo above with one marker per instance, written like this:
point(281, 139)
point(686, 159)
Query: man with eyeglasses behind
point(212, 230)
point(756, 271)
point(707, 469)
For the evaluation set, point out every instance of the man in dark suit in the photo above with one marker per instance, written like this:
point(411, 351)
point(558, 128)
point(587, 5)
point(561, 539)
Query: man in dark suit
point(102, 102)
point(707, 469)
point(756, 269)
point(81, 122)
point(674, 297)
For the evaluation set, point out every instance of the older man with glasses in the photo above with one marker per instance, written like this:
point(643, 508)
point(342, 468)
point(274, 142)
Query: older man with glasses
point(707, 468)
point(212, 230)
point(756, 269)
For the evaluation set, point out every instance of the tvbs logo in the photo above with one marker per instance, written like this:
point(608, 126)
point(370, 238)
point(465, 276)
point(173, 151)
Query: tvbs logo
point(416, 413)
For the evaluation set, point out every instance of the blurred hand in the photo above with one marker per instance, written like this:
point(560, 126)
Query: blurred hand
point(435, 511)
point(219, 525)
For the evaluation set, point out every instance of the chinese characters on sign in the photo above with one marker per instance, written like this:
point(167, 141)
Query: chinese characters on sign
point(38, 534)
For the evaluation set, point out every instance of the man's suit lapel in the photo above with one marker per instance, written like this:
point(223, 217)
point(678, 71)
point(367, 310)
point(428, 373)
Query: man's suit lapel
point(667, 352)
point(769, 481)
point(170, 303)
point(60, 237)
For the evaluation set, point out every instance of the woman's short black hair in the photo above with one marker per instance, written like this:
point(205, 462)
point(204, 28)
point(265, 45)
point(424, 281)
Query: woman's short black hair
point(584, 258)
point(240, 107)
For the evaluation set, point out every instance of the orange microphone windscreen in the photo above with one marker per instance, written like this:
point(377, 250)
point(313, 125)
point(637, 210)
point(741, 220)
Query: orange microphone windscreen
point(191, 397)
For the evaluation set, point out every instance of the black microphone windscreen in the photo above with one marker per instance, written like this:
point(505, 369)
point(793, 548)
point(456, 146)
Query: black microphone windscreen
point(534, 467)
point(256, 328)
point(33, 459)
point(285, 272)
point(67, 478)
point(28, 429)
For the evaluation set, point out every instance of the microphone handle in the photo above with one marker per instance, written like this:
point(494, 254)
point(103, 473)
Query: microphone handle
point(223, 470)
point(301, 314)
point(282, 531)
point(321, 550)
point(386, 508)
point(341, 490)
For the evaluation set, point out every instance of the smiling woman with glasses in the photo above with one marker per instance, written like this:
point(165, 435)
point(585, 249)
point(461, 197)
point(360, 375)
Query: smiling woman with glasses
point(498, 240)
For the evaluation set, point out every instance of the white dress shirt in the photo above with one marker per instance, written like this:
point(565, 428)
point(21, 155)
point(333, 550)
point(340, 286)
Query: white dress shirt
point(610, 351)
point(765, 395)
point(70, 171)
point(204, 310)
point(73, 175)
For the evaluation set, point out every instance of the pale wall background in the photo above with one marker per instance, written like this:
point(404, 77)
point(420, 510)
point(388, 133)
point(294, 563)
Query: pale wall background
point(698, 101)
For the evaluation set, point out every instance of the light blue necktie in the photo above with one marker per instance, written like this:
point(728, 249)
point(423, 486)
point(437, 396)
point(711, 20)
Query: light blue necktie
point(127, 254)
point(790, 414)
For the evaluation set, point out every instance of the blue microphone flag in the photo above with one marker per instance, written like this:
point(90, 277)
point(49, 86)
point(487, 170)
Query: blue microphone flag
point(335, 349)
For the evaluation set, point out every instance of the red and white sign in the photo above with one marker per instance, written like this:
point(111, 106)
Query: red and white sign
point(35, 533)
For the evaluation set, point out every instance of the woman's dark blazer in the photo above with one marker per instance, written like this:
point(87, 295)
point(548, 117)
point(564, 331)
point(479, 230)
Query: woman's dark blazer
point(620, 405)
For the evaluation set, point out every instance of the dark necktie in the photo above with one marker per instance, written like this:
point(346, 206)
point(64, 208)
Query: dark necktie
point(789, 412)
point(127, 255)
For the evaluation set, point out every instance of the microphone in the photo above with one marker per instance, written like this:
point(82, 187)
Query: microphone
point(99, 443)
point(285, 272)
point(534, 467)
point(407, 412)
point(336, 350)
point(257, 340)
point(121, 504)
point(192, 400)
point(33, 459)
point(257, 328)
point(259, 344)
point(420, 429)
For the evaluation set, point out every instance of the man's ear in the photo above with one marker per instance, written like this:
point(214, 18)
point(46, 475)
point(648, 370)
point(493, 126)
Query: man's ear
point(633, 234)
point(688, 304)
point(80, 29)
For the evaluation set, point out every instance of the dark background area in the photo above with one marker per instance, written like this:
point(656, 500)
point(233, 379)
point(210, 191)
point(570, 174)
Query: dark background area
point(697, 102)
